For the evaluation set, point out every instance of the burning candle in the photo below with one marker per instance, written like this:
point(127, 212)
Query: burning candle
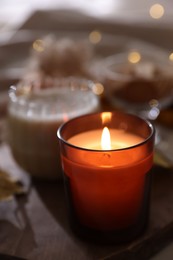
point(106, 164)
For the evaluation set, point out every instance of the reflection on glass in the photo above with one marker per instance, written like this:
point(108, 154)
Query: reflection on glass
point(106, 117)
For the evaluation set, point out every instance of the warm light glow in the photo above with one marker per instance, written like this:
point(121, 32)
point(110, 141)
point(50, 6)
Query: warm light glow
point(106, 117)
point(134, 57)
point(38, 45)
point(98, 89)
point(106, 139)
point(65, 117)
point(154, 103)
point(156, 11)
point(171, 57)
point(24, 90)
point(95, 37)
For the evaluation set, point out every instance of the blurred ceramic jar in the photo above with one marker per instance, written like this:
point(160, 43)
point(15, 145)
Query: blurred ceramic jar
point(34, 115)
point(138, 82)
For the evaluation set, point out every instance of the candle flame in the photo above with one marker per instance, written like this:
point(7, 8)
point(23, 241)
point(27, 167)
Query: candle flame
point(106, 139)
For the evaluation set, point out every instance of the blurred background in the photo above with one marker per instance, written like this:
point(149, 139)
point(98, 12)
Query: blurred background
point(144, 14)
point(25, 21)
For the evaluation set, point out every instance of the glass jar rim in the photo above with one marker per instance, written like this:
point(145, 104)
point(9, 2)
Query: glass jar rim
point(26, 87)
point(70, 97)
point(66, 124)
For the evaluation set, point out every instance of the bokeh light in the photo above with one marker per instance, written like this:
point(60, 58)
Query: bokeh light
point(171, 56)
point(95, 37)
point(134, 57)
point(156, 11)
point(38, 45)
point(98, 89)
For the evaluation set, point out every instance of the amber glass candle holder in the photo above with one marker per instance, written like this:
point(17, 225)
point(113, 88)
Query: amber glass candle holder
point(108, 190)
